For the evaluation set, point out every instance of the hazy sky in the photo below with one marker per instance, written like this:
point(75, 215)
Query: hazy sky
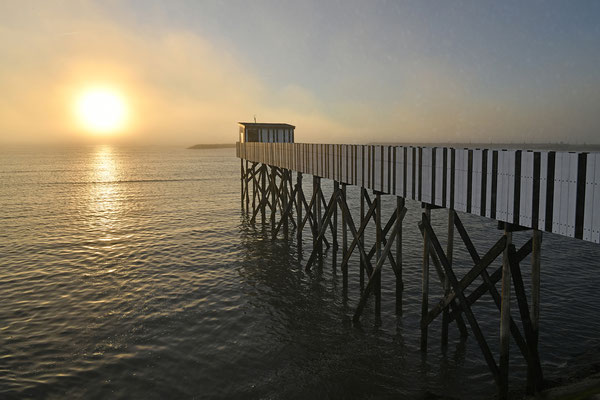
point(341, 71)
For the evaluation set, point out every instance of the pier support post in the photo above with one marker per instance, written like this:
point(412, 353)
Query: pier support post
point(299, 194)
point(399, 280)
point(336, 187)
point(242, 179)
point(425, 283)
point(535, 380)
point(255, 172)
point(449, 253)
point(263, 193)
point(284, 201)
point(316, 212)
point(246, 180)
point(362, 238)
point(344, 241)
point(535, 281)
point(273, 196)
point(505, 316)
point(319, 216)
point(344, 224)
point(378, 241)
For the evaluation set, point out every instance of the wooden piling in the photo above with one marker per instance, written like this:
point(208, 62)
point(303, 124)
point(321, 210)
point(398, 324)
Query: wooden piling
point(284, 202)
point(378, 242)
point(246, 180)
point(300, 195)
point(535, 281)
point(425, 283)
point(344, 225)
point(273, 193)
point(242, 179)
point(319, 215)
point(344, 244)
point(399, 281)
point(505, 317)
point(449, 254)
point(254, 187)
point(362, 238)
point(316, 206)
point(535, 382)
point(263, 194)
point(336, 187)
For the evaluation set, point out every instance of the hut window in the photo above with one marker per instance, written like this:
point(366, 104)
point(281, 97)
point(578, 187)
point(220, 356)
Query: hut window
point(253, 135)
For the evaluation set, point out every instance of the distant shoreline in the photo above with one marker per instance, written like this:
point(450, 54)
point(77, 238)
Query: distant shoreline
point(212, 146)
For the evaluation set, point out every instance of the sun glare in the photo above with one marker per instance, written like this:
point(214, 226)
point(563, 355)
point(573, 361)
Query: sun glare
point(102, 110)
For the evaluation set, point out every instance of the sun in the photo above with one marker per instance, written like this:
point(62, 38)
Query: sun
point(101, 110)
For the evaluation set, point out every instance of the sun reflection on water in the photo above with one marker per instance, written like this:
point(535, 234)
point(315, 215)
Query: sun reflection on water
point(106, 203)
point(104, 165)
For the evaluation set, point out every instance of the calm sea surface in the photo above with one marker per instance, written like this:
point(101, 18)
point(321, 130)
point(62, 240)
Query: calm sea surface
point(132, 272)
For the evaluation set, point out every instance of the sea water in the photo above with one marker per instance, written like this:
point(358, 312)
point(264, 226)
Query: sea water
point(133, 272)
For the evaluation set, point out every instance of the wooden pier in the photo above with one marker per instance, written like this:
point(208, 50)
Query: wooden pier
point(538, 191)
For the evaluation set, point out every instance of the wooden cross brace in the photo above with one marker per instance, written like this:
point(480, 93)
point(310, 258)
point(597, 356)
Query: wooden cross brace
point(528, 350)
point(494, 278)
point(459, 286)
point(527, 345)
point(328, 221)
point(330, 207)
point(286, 212)
point(312, 219)
point(372, 214)
point(263, 199)
point(375, 273)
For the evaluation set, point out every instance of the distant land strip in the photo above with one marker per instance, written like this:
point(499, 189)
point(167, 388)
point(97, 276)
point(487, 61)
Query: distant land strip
point(213, 146)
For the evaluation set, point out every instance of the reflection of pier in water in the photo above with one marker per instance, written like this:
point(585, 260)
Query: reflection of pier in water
point(538, 191)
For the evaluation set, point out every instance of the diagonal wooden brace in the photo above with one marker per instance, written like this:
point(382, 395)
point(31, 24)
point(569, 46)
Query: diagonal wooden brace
point(458, 289)
point(525, 349)
point(384, 232)
point(310, 217)
point(375, 273)
point(357, 235)
point(286, 213)
point(487, 259)
point(494, 278)
point(452, 304)
point(328, 222)
point(532, 356)
point(328, 213)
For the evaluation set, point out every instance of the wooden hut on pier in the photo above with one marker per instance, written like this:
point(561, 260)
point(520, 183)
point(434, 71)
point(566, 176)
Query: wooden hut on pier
point(266, 132)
